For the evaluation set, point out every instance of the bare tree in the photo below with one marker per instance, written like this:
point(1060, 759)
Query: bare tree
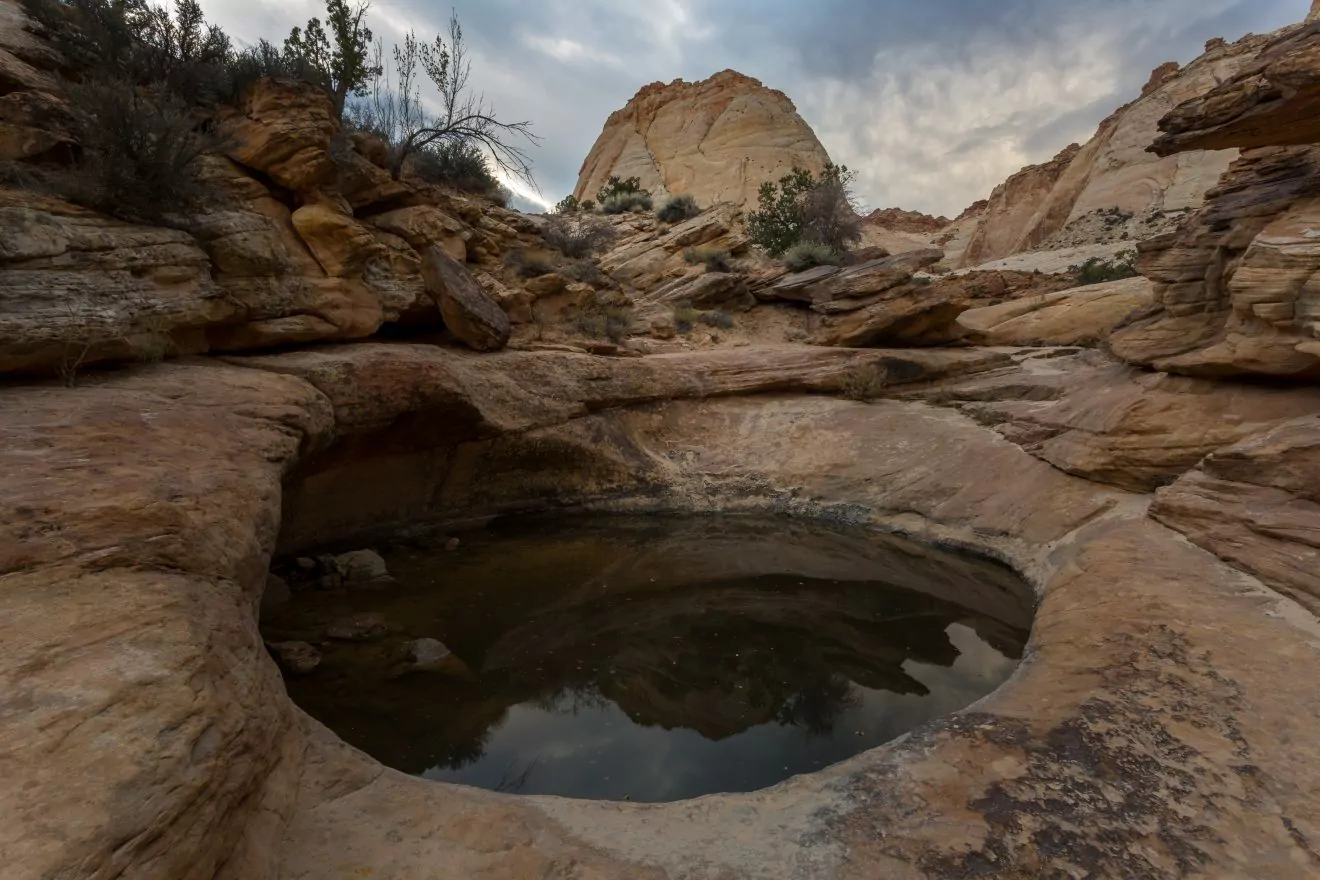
point(396, 112)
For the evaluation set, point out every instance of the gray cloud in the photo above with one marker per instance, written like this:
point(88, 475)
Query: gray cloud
point(933, 103)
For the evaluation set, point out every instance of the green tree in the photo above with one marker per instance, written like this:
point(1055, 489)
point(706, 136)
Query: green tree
point(802, 207)
point(341, 59)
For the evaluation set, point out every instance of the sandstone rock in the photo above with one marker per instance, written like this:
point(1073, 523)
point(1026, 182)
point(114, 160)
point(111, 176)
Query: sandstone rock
point(361, 627)
point(826, 284)
point(423, 226)
point(366, 185)
point(1085, 315)
point(469, 312)
point(1234, 287)
point(342, 245)
point(906, 221)
point(363, 568)
point(716, 140)
point(296, 658)
point(283, 129)
point(77, 288)
point(431, 655)
point(1270, 102)
point(1257, 504)
point(1113, 169)
point(706, 290)
point(646, 257)
point(663, 327)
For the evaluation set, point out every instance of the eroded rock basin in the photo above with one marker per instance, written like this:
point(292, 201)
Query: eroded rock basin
point(652, 658)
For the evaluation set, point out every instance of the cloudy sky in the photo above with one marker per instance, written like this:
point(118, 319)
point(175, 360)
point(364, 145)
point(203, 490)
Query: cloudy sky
point(933, 102)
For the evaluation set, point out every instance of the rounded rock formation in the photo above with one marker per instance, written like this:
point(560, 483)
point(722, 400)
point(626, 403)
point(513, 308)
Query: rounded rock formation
point(716, 140)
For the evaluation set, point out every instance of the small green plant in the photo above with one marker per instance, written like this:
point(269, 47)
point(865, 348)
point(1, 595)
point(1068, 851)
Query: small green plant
point(568, 205)
point(716, 259)
point(615, 186)
point(600, 321)
point(685, 316)
point(864, 384)
point(588, 206)
point(1099, 270)
point(807, 255)
point(677, 209)
point(921, 280)
point(624, 203)
point(718, 319)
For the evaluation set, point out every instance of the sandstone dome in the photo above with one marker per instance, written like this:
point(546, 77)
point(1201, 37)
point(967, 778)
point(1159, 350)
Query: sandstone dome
point(717, 140)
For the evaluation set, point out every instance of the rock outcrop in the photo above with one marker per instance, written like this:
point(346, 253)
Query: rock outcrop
point(1235, 287)
point(716, 140)
point(1113, 171)
point(1084, 315)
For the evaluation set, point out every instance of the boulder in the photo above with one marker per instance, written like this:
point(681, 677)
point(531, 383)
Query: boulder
point(283, 128)
point(424, 226)
point(468, 311)
point(363, 568)
point(295, 658)
point(431, 655)
point(342, 245)
point(361, 627)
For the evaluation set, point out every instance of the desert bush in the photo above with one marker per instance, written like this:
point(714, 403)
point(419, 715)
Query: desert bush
point(457, 164)
point(140, 151)
point(135, 42)
point(587, 272)
point(864, 384)
point(615, 186)
point(568, 205)
point(588, 206)
point(716, 259)
point(807, 255)
point(802, 207)
point(577, 237)
point(604, 322)
point(623, 203)
point(390, 105)
point(528, 264)
point(677, 209)
point(265, 59)
point(717, 318)
point(685, 316)
point(1099, 270)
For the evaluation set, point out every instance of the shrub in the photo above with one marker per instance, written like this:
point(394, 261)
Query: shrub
point(717, 318)
point(807, 255)
point(864, 384)
point(623, 203)
point(685, 316)
point(587, 272)
point(716, 259)
point(604, 322)
point(140, 151)
point(528, 264)
point(1099, 270)
point(568, 205)
point(616, 187)
point(588, 206)
point(677, 209)
point(801, 207)
point(267, 60)
point(578, 237)
point(457, 164)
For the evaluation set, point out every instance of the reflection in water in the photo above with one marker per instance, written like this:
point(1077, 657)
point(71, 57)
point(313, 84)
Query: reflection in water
point(656, 659)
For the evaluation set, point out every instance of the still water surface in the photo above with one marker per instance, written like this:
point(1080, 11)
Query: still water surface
point(655, 659)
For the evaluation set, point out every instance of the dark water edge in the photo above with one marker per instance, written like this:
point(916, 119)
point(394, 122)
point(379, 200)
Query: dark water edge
point(658, 658)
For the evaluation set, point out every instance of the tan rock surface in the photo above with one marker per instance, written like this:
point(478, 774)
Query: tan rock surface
point(1070, 317)
point(716, 140)
point(283, 129)
point(157, 720)
point(469, 312)
point(1257, 504)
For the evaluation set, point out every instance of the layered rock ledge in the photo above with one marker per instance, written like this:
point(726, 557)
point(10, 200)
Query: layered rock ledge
point(146, 733)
